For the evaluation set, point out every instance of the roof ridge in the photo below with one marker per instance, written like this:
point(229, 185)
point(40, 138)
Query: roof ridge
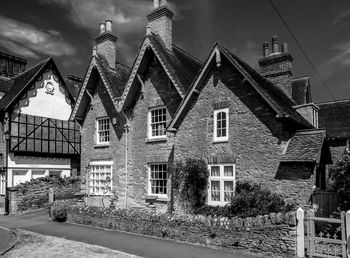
point(188, 54)
point(310, 131)
point(333, 101)
point(301, 77)
point(123, 65)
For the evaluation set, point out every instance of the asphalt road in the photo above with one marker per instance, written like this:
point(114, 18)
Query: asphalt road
point(126, 242)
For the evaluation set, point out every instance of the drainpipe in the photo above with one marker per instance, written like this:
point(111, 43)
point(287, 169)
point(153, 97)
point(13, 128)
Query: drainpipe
point(126, 127)
point(7, 139)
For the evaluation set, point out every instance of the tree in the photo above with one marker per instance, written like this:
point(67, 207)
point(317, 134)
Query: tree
point(339, 176)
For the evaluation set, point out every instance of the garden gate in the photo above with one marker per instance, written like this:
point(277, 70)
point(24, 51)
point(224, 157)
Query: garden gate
point(323, 239)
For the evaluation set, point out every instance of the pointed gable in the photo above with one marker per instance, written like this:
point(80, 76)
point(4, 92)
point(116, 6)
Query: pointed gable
point(273, 96)
point(113, 80)
point(179, 66)
point(24, 82)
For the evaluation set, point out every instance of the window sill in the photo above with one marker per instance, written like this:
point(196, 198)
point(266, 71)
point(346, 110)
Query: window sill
point(150, 140)
point(220, 141)
point(158, 199)
point(101, 145)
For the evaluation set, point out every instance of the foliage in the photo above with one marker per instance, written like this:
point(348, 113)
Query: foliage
point(249, 200)
point(339, 176)
point(191, 182)
point(59, 211)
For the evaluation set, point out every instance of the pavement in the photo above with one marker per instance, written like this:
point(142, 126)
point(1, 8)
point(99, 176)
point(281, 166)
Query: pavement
point(136, 244)
point(8, 239)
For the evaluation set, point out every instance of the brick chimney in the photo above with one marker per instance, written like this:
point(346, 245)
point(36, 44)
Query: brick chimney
point(277, 65)
point(10, 66)
point(160, 22)
point(106, 43)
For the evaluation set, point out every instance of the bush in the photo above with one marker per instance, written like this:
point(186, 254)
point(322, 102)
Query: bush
point(191, 182)
point(339, 176)
point(250, 200)
point(59, 212)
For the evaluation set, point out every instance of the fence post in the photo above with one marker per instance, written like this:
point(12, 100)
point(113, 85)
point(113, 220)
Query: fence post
point(300, 233)
point(51, 196)
point(347, 224)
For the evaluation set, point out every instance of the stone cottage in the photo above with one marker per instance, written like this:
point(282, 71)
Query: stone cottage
point(36, 138)
point(136, 122)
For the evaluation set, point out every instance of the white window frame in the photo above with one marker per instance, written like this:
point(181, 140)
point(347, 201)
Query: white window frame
point(348, 145)
point(221, 138)
point(2, 183)
point(150, 180)
point(221, 179)
point(101, 184)
point(98, 120)
point(149, 123)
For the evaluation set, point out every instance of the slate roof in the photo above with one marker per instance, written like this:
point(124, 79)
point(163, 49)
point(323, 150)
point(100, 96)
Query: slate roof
point(73, 87)
point(19, 82)
point(335, 118)
point(181, 65)
point(301, 90)
point(305, 146)
point(271, 92)
point(5, 84)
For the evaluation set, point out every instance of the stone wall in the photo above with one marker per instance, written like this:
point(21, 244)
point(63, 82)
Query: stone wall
point(272, 234)
point(257, 140)
point(34, 194)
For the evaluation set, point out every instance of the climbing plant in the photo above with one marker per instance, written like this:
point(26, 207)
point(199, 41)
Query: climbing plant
point(190, 183)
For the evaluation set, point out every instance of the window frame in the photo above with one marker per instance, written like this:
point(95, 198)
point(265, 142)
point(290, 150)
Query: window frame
point(347, 148)
point(160, 196)
point(100, 163)
point(221, 138)
point(221, 178)
point(98, 142)
point(149, 123)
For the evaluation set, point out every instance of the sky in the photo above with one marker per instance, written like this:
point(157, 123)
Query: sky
point(66, 29)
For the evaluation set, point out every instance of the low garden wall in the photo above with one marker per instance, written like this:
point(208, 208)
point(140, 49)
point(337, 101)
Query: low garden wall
point(34, 194)
point(272, 234)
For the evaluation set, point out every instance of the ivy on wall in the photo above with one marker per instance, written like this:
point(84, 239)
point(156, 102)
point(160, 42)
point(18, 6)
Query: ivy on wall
point(190, 183)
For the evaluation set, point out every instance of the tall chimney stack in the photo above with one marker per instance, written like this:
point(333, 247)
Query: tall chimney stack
point(106, 43)
point(160, 22)
point(277, 66)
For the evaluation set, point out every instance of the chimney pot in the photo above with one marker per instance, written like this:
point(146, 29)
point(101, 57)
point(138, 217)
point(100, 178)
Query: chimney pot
point(155, 4)
point(275, 45)
point(102, 27)
point(266, 50)
point(108, 25)
point(284, 48)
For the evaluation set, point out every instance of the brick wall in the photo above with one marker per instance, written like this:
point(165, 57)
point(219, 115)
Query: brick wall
point(256, 138)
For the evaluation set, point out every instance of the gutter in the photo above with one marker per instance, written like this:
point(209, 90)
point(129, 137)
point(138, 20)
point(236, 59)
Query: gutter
point(126, 127)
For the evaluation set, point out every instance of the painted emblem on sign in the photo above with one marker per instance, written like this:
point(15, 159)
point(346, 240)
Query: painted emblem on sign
point(49, 88)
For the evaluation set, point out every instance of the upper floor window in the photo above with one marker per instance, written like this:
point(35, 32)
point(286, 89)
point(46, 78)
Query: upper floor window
point(102, 130)
point(158, 180)
point(221, 183)
point(157, 123)
point(221, 121)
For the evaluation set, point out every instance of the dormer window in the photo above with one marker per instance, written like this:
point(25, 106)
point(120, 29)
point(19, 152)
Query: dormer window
point(102, 132)
point(221, 119)
point(157, 118)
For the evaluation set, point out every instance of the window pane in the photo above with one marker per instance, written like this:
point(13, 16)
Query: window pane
point(215, 191)
point(228, 190)
point(215, 171)
point(158, 122)
point(228, 170)
point(98, 176)
point(158, 179)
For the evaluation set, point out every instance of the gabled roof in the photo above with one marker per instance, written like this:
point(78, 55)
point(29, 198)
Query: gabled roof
point(5, 84)
point(180, 67)
point(273, 95)
point(335, 118)
point(305, 146)
point(19, 84)
point(113, 80)
point(301, 93)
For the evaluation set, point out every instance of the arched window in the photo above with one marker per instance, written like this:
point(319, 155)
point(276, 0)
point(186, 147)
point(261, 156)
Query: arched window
point(221, 122)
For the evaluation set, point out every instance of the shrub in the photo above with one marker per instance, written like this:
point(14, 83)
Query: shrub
point(191, 182)
point(250, 200)
point(59, 211)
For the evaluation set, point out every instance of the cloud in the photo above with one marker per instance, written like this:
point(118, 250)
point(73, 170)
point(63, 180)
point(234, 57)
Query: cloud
point(29, 41)
point(128, 17)
point(341, 17)
point(249, 53)
point(339, 61)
